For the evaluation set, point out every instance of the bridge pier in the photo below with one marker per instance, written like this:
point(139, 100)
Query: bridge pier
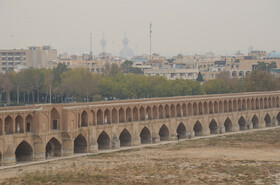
point(39, 152)
point(115, 144)
point(9, 157)
point(93, 148)
point(135, 141)
point(68, 148)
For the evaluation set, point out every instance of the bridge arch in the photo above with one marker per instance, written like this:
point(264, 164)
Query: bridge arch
point(178, 110)
point(107, 116)
point(103, 141)
point(230, 106)
point(172, 107)
point(84, 118)
point(55, 119)
point(194, 109)
point(255, 121)
point(125, 138)
point(80, 144)
point(24, 152)
point(278, 118)
point(164, 133)
point(267, 120)
point(135, 114)
point(239, 105)
point(19, 124)
point(200, 112)
point(93, 117)
point(142, 113)
point(228, 125)
point(235, 105)
point(155, 112)
point(242, 123)
point(220, 107)
point(184, 109)
point(243, 104)
point(257, 103)
point(213, 126)
point(225, 106)
point(1, 127)
point(216, 108)
point(53, 148)
point(8, 125)
point(253, 105)
point(269, 102)
point(160, 110)
point(29, 125)
point(190, 109)
point(121, 115)
point(166, 109)
point(114, 116)
point(181, 131)
point(145, 136)
point(205, 108)
point(197, 128)
point(100, 117)
point(128, 114)
point(261, 103)
point(277, 102)
point(273, 102)
point(265, 103)
point(248, 104)
point(211, 108)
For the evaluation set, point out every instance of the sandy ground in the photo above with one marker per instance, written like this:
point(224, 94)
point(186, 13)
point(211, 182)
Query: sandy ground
point(249, 158)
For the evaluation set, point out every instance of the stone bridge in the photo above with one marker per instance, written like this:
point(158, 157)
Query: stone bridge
point(39, 132)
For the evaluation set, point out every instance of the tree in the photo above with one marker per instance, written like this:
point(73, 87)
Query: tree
point(199, 77)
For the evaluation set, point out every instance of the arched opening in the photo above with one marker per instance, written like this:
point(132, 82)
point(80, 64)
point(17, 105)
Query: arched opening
point(265, 103)
point(277, 102)
point(84, 119)
point(269, 103)
point(172, 111)
point(261, 103)
point(125, 138)
point(197, 129)
point(166, 109)
point(29, 123)
point(239, 105)
point(255, 122)
point(148, 113)
point(200, 108)
point(55, 125)
point(234, 105)
point(1, 157)
point(189, 109)
point(99, 117)
point(121, 115)
point(103, 141)
point(135, 114)
point(1, 128)
point(145, 136)
point(164, 133)
point(210, 107)
point(79, 122)
point(243, 104)
point(225, 106)
point(194, 109)
point(273, 102)
point(142, 114)
point(242, 124)
point(257, 104)
point(213, 126)
point(114, 116)
point(178, 110)
point(252, 104)
point(93, 117)
point(181, 131)
point(267, 120)
point(160, 109)
point(205, 108)
point(278, 118)
point(53, 148)
point(128, 115)
point(228, 125)
point(19, 124)
point(216, 110)
point(80, 144)
point(24, 152)
point(107, 117)
point(155, 113)
point(230, 106)
point(184, 107)
point(8, 125)
point(248, 104)
point(220, 107)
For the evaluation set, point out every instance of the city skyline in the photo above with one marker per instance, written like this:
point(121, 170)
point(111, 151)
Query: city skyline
point(178, 27)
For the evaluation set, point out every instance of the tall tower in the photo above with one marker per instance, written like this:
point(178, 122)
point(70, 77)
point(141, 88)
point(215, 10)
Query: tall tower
point(125, 43)
point(150, 41)
point(90, 52)
point(103, 43)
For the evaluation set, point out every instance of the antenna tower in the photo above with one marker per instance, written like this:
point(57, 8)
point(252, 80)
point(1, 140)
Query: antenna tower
point(150, 41)
point(90, 53)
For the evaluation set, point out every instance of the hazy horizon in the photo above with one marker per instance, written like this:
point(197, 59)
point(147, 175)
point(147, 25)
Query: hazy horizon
point(180, 26)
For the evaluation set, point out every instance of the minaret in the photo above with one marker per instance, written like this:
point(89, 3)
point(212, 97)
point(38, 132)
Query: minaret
point(103, 43)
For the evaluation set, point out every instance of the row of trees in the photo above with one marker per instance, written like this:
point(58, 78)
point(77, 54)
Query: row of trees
point(45, 85)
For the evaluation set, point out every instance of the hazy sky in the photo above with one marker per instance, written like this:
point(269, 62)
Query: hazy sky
point(178, 25)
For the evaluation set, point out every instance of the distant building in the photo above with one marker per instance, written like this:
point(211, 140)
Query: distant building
point(10, 59)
